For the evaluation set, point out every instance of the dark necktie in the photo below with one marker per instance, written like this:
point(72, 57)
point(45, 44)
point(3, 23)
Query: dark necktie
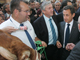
point(67, 34)
point(53, 32)
point(29, 37)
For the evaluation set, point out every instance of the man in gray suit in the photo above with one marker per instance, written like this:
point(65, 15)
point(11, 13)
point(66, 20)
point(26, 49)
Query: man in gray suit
point(68, 32)
point(75, 53)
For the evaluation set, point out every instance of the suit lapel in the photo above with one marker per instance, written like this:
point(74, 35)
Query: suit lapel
point(43, 25)
point(73, 29)
point(63, 27)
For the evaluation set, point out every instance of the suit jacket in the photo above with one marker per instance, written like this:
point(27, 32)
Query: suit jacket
point(75, 53)
point(74, 38)
point(74, 35)
point(41, 28)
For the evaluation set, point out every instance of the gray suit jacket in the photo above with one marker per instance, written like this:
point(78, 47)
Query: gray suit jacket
point(75, 53)
point(74, 35)
point(74, 38)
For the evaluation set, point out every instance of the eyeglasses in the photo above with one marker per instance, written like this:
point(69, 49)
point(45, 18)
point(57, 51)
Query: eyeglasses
point(26, 11)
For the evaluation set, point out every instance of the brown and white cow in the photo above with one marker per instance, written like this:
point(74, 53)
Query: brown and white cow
point(12, 48)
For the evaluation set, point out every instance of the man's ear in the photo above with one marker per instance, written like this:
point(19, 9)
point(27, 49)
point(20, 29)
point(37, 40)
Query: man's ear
point(43, 11)
point(73, 14)
point(16, 12)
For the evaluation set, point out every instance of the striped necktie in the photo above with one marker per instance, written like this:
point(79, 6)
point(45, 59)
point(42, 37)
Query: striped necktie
point(53, 32)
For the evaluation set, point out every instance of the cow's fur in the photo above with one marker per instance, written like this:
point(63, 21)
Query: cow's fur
point(13, 48)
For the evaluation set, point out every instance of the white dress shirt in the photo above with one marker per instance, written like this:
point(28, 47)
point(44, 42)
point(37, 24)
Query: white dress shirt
point(49, 28)
point(20, 33)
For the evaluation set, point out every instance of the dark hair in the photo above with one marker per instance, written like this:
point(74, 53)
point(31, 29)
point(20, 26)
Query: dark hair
point(31, 2)
point(15, 4)
point(64, 3)
point(72, 10)
point(4, 7)
point(38, 12)
point(74, 5)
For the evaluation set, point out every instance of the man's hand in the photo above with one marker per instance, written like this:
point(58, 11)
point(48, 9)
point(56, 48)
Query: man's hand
point(70, 46)
point(43, 44)
point(58, 44)
point(9, 29)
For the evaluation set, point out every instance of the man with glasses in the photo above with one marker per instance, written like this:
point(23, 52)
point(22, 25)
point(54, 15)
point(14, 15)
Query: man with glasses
point(20, 12)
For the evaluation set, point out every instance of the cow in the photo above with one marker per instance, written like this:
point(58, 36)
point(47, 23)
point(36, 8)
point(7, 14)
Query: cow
point(12, 48)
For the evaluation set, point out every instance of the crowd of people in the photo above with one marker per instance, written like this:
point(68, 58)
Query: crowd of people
point(55, 23)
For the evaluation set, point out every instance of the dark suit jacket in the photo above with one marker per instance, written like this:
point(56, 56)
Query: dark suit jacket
point(74, 37)
point(42, 33)
point(75, 53)
point(41, 28)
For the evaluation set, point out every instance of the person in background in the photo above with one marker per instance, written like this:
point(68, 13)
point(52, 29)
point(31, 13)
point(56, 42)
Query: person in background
point(1, 20)
point(57, 7)
point(37, 5)
point(32, 6)
point(6, 10)
point(53, 3)
point(75, 6)
point(39, 13)
point(33, 18)
point(2, 14)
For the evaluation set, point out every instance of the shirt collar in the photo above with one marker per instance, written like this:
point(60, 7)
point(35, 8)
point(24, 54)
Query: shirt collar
point(71, 23)
point(14, 22)
point(46, 18)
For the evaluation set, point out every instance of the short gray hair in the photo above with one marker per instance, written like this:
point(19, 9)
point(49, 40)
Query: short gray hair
point(58, 2)
point(44, 4)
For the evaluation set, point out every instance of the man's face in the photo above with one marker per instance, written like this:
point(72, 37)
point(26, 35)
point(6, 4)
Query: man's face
point(57, 6)
point(48, 12)
point(25, 12)
point(37, 5)
point(32, 5)
point(68, 16)
point(1, 14)
point(7, 8)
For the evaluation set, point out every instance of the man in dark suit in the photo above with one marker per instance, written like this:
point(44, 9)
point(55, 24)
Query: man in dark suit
point(68, 31)
point(75, 53)
point(43, 30)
